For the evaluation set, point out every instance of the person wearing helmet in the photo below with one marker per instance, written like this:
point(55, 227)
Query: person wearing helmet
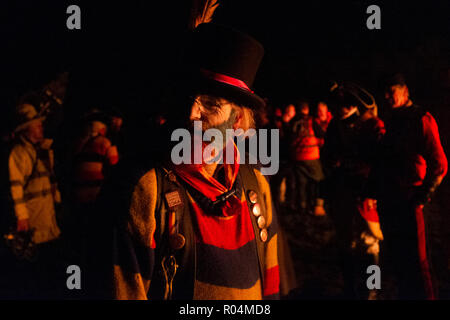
point(350, 145)
point(34, 193)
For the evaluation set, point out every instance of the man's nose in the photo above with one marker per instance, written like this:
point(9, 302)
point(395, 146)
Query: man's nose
point(195, 112)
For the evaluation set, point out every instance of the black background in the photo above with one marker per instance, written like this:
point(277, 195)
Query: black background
point(127, 53)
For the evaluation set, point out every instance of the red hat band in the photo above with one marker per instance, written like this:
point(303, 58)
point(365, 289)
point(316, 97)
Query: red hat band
point(225, 79)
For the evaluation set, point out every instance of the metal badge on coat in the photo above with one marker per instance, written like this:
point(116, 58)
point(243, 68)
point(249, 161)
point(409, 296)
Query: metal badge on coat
point(252, 196)
point(173, 199)
point(263, 235)
point(256, 209)
point(177, 241)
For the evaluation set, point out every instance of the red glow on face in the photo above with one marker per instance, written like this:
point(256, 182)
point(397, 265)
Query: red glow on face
point(289, 113)
point(397, 96)
point(35, 132)
point(322, 111)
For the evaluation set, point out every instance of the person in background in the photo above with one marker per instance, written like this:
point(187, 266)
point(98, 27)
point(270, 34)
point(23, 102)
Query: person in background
point(351, 144)
point(35, 194)
point(277, 118)
point(283, 183)
point(322, 119)
point(115, 132)
point(94, 157)
point(410, 166)
point(306, 160)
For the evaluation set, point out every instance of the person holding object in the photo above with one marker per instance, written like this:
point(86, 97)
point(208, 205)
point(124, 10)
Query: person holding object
point(34, 193)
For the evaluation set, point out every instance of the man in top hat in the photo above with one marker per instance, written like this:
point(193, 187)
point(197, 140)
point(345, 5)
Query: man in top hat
point(410, 167)
point(206, 230)
point(34, 193)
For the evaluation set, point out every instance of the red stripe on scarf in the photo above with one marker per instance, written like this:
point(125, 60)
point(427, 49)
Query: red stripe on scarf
point(271, 281)
point(234, 228)
point(197, 177)
point(224, 232)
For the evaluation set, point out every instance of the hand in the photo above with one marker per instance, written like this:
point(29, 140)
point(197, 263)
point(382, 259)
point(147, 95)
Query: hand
point(23, 225)
point(371, 203)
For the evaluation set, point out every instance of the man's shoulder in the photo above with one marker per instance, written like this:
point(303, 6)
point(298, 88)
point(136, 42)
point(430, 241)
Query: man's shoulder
point(253, 172)
point(131, 172)
point(422, 114)
point(127, 176)
point(21, 150)
point(418, 111)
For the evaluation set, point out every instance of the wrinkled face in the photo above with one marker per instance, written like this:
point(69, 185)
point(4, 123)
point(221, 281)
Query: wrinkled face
point(213, 112)
point(397, 95)
point(35, 132)
point(322, 111)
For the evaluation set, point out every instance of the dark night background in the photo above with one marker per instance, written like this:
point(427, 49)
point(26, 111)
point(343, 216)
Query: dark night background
point(126, 54)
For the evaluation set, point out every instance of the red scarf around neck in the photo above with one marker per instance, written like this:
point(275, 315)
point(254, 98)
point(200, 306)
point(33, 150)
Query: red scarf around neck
point(197, 176)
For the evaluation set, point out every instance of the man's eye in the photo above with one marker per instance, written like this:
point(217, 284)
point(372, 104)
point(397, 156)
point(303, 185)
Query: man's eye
point(213, 108)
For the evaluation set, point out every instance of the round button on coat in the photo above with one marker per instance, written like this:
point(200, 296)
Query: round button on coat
point(252, 196)
point(256, 210)
point(263, 235)
point(261, 222)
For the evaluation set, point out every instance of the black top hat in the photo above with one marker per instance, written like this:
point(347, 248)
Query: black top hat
point(223, 61)
point(95, 114)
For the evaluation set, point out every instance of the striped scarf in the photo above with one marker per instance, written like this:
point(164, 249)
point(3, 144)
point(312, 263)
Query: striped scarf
point(226, 246)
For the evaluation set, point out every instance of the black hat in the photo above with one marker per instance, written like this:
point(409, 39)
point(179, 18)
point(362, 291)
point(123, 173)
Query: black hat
point(348, 93)
point(95, 114)
point(395, 79)
point(223, 61)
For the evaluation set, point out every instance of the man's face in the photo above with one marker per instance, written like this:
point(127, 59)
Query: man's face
point(322, 110)
point(304, 109)
point(214, 113)
point(290, 111)
point(397, 96)
point(35, 132)
point(116, 123)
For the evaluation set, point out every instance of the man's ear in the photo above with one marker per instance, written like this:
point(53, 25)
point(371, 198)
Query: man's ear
point(239, 118)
